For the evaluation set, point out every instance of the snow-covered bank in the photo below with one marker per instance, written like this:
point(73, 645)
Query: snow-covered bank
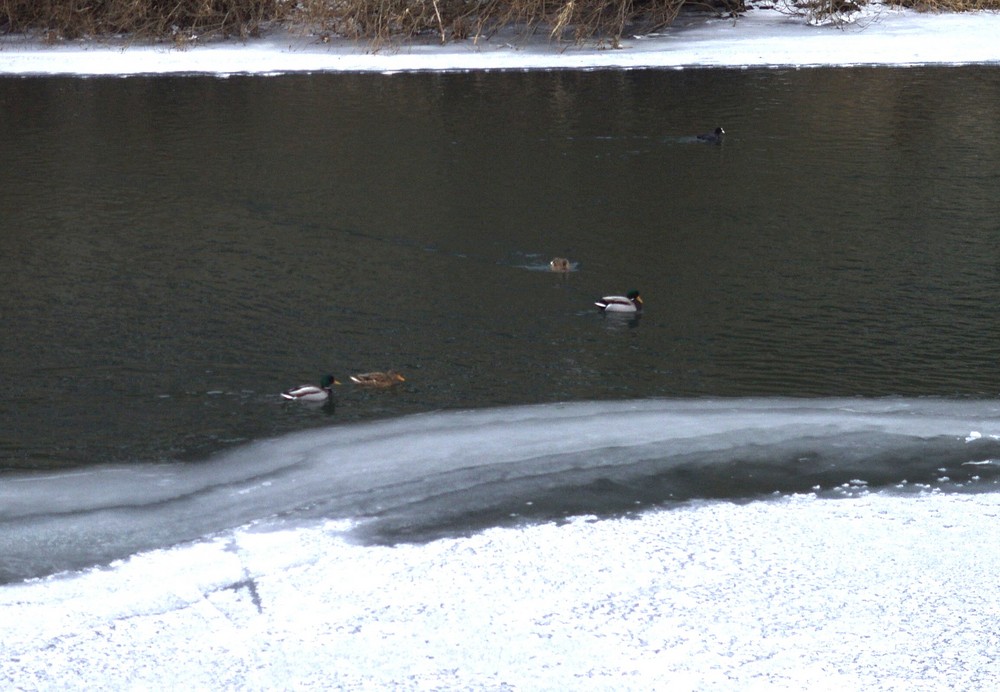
point(761, 38)
point(867, 593)
point(802, 589)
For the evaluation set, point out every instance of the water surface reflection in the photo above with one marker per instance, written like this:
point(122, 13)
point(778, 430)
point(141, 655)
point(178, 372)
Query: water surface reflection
point(176, 251)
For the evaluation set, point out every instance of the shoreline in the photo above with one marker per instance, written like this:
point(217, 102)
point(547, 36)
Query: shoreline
point(872, 592)
point(760, 38)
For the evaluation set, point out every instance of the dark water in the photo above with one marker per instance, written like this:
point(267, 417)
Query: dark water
point(176, 251)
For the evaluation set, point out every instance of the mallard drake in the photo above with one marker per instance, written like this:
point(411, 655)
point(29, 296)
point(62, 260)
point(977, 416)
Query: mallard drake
point(631, 302)
point(312, 393)
point(714, 137)
point(378, 379)
point(559, 264)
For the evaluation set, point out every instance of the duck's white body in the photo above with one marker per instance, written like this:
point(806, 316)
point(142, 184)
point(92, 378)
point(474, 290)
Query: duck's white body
point(311, 393)
point(630, 303)
point(307, 392)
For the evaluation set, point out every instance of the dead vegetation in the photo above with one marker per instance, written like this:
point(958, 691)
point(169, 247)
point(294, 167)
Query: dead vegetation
point(185, 21)
point(449, 20)
point(159, 19)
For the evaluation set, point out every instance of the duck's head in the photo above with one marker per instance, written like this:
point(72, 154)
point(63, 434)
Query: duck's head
point(328, 381)
point(719, 132)
point(634, 297)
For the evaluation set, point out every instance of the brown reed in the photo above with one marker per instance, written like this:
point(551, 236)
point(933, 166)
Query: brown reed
point(185, 21)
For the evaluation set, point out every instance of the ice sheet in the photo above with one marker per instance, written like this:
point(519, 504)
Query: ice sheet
point(419, 477)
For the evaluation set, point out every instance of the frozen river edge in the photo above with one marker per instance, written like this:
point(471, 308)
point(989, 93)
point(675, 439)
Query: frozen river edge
point(875, 590)
point(865, 593)
point(761, 38)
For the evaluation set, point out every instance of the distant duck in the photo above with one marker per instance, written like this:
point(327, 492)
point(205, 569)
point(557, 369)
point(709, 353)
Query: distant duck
point(714, 137)
point(559, 264)
point(311, 393)
point(627, 303)
point(378, 379)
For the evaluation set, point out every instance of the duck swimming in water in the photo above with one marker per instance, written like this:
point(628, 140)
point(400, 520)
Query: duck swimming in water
point(311, 393)
point(559, 264)
point(378, 379)
point(714, 137)
point(630, 302)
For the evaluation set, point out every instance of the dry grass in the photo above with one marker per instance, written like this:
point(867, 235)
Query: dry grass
point(470, 19)
point(374, 20)
point(173, 19)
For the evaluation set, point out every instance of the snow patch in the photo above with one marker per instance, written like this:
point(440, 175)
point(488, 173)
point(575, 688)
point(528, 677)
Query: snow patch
point(760, 38)
point(865, 593)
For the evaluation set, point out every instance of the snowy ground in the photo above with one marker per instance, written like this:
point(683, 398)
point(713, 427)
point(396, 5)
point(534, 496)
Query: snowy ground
point(865, 593)
point(884, 36)
point(874, 590)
